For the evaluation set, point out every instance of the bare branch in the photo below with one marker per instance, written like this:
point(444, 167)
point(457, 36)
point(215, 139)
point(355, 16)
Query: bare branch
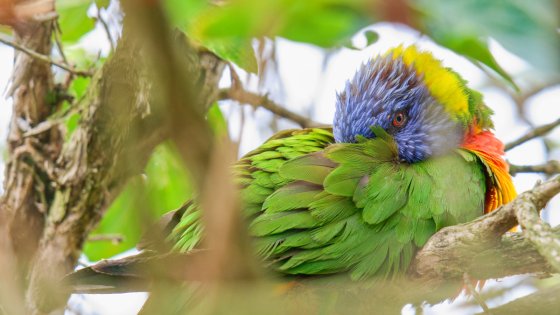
point(45, 58)
point(105, 28)
point(113, 238)
point(237, 93)
point(533, 133)
point(549, 168)
point(472, 290)
point(539, 232)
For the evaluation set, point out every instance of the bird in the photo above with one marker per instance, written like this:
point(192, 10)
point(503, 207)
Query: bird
point(410, 151)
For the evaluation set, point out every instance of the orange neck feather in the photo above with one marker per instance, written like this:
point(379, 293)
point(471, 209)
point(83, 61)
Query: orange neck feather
point(490, 150)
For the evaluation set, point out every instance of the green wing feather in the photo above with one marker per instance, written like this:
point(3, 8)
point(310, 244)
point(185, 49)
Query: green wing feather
point(316, 207)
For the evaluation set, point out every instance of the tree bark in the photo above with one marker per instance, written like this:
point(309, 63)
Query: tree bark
point(26, 186)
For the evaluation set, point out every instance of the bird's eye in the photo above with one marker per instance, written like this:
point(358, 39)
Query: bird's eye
point(399, 119)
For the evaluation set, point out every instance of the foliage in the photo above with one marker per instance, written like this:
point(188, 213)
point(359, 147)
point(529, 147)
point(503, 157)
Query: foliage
point(526, 28)
point(228, 30)
point(73, 19)
point(163, 186)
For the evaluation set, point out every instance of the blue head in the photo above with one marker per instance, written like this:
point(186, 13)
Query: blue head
point(386, 92)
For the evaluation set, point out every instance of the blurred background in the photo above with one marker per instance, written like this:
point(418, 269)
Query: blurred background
point(508, 50)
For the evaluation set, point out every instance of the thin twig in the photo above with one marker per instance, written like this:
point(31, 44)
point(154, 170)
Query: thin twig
point(533, 133)
point(45, 58)
point(549, 168)
point(472, 290)
point(57, 31)
point(113, 238)
point(58, 41)
point(106, 28)
point(41, 127)
point(243, 96)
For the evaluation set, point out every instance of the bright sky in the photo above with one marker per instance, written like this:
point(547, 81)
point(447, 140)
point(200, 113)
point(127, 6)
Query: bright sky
point(310, 89)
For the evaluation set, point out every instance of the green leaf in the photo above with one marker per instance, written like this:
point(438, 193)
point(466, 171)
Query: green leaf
point(229, 29)
point(236, 50)
point(6, 30)
point(165, 186)
point(71, 124)
point(217, 120)
point(477, 51)
point(324, 23)
point(526, 28)
point(73, 19)
point(102, 3)
point(79, 86)
point(181, 13)
point(370, 36)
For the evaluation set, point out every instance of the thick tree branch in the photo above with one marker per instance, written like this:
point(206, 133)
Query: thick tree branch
point(539, 232)
point(533, 133)
point(26, 183)
point(237, 93)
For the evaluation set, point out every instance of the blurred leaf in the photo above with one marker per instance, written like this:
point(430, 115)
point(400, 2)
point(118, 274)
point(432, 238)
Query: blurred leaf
point(325, 23)
point(217, 120)
point(165, 188)
point(71, 123)
point(5, 30)
point(73, 19)
point(322, 23)
point(79, 86)
point(526, 28)
point(477, 51)
point(371, 37)
point(228, 29)
point(182, 12)
point(238, 51)
point(168, 183)
point(102, 3)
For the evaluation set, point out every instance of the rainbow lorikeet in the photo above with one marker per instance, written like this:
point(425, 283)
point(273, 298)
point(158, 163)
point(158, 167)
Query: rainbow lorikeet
point(409, 152)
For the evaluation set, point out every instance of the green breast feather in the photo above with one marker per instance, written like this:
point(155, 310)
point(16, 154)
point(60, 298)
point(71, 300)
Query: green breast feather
point(315, 207)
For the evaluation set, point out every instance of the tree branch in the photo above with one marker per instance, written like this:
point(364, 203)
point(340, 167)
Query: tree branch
point(549, 168)
point(237, 93)
point(539, 232)
point(44, 58)
point(105, 28)
point(533, 133)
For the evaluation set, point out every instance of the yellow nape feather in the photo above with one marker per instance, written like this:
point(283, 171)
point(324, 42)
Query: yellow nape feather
point(444, 85)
